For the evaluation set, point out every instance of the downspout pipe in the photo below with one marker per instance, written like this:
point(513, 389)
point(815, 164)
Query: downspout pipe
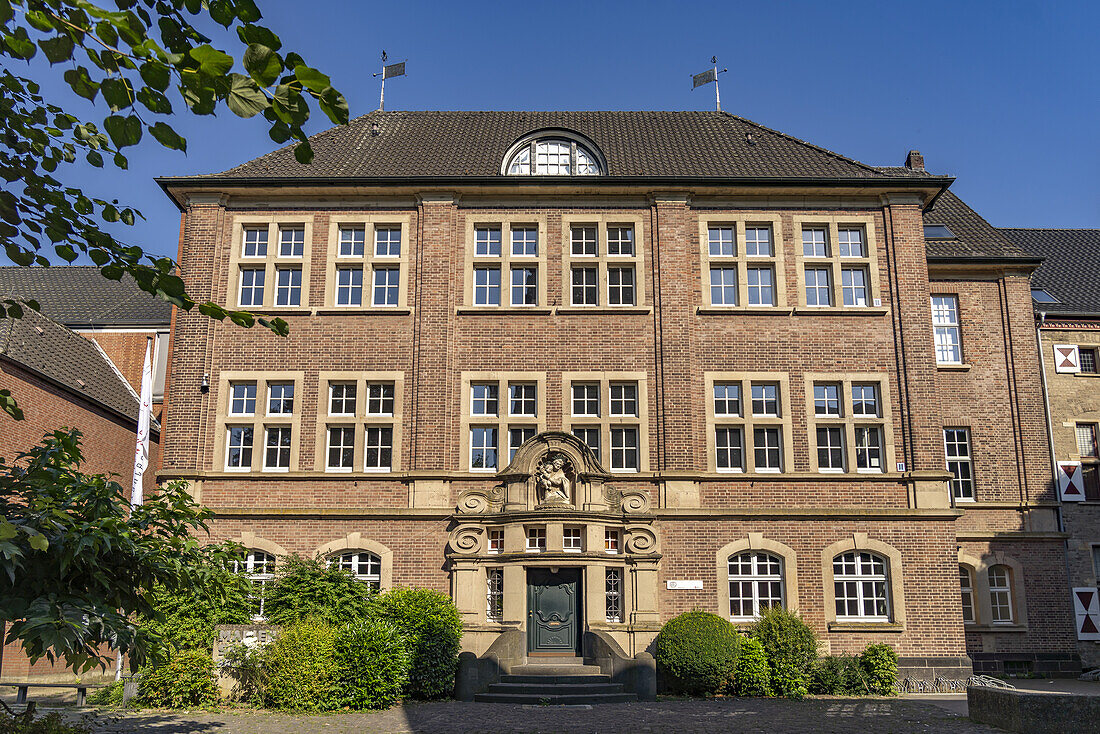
point(1046, 408)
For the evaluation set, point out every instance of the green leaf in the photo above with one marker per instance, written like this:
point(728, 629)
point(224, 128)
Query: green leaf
point(124, 131)
point(258, 34)
point(95, 158)
point(168, 137)
point(20, 45)
point(38, 542)
point(117, 93)
point(99, 257)
point(156, 75)
point(211, 61)
point(9, 406)
point(311, 79)
point(262, 64)
point(57, 49)
point(81, 83)
point(245, 98)
point(303, 153)
point(154, 101)
point(39, 20)
point(333, 104)
point(7, 530)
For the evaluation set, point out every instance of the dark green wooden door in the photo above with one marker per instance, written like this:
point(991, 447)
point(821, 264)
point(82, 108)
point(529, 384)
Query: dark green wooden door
point(553, 611)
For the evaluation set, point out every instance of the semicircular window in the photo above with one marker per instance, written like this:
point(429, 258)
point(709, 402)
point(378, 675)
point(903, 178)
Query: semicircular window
point(552, 156)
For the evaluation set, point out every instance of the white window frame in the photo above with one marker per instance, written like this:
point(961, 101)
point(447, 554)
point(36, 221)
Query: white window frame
point(860, 578)
point(947, 328)
point(760, 573)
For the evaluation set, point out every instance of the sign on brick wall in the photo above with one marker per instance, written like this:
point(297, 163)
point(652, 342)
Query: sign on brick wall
point(1086, 605)
point(1071, 485)
point(1066, 358)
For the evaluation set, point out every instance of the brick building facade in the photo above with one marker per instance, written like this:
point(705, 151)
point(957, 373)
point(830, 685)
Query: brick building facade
point(662, 361)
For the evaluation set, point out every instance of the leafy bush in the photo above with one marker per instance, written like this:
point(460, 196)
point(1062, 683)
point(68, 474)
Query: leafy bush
point(247, 665)
point(838, 675)
point(301, 668)
point(752, 670)
point(48, 724)
point(186, 679)
point(309, 589)
point(697, 653)
point(373, 661)
point(880, 667)
point(109, 695)
point(791, 648)
point(431, 622)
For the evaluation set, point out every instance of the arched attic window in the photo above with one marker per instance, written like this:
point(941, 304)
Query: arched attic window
point(555, 153)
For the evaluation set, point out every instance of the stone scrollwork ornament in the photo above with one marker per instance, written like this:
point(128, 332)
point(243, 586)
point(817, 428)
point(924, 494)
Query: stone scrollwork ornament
point(466, 539)
point(481, 501)
point(641, 540)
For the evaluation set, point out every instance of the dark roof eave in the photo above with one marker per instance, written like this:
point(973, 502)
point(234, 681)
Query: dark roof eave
point(1075, 315)
point(981, 259)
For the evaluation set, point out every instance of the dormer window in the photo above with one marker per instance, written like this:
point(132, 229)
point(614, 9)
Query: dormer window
point(555, 153)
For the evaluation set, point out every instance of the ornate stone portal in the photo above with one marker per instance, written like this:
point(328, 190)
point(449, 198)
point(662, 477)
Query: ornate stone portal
point(555, 487)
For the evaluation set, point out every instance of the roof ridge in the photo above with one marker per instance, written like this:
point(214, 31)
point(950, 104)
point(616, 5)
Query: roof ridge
point(1052, 229)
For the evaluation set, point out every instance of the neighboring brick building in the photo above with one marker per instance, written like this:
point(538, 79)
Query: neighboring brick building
point(1067, 304)
point(586, 371)
point(62, 380)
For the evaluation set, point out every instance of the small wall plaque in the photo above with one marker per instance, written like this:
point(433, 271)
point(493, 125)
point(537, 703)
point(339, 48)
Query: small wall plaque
point(901, 466)
point(673, 584)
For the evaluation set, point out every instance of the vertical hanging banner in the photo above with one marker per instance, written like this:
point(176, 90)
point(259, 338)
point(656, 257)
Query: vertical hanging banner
point(1071, 486)
point(141, 450)
point(1067, 358)
point(1086, 606)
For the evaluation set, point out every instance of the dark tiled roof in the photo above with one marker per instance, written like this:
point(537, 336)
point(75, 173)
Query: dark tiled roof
point(79, 296)
point(1071, 266)
point(650, 144)
point(974, 237)
point(48, 348)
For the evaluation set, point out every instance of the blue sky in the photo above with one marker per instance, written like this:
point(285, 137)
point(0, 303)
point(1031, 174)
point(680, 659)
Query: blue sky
point(1003, 95)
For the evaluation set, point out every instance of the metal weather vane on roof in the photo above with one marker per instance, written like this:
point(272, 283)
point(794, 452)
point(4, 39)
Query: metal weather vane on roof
point(388, 71)
point(708, 76)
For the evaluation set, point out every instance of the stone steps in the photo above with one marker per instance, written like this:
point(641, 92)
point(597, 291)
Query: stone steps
point(567, 681)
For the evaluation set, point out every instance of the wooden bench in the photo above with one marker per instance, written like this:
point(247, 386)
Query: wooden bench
point(22, 686)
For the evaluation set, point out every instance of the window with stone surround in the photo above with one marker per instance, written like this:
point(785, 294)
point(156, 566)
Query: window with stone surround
point(1000, 594)
point(602, 262)
point(946, 329)
point(494, 594)
point(837, 261)
point(742, 261)
point(966, 584)
point(861, 589)
point(536, 539)
point(748, 422)
point(258, 421)
point(850, 422)
point(362, 566)
point(360, 421)
point(500, 411)
point(368, 258)
point(269, 262)
point(613, 594)
point(609, 412)
point(960, 463)
point(259, 567)
point(505, 263)
point(755, 583)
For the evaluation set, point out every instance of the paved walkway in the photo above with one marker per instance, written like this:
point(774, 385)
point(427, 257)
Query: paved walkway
point(765, 716)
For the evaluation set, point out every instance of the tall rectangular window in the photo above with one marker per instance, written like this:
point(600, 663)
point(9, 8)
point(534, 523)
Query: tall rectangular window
point(729, 445)
point(288, 290)
point(387, 242)
point(341, 447)
point(590, 437)
point(378, 449)
point(761, 286)
point(292, 241)
point(238, 453)
point(853, 286)
point(612, 541)
point(766, 449)
point(959, 463)
point(522, 399)
point(494, 594)
point(1000, 594)
point(517, 437)
point(624, 399)
point(819, 289)
point(277, 448)
point(815, 242)
point(341, 398)
point(386, 286)
point(487, 286)
point(525, 286)
point(830, 448)
point(945, 324)
point(723, 286)
point(495, 542)
point(624, 448)
point(252, 286)
point(584, 287)
point(869, 448)
point(586, 399)
point(349, 286)
point(1086, 440)
point(483, 448)
point(525, 242)
point(613, 585)
point(966, 584)
point(620, 286)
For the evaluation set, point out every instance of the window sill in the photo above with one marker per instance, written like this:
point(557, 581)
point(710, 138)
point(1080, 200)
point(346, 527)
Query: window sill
point(744, 310)
point(569, 310)
point(841, 310)
point(866, 627)
point(987, 628)
point(363, 311)
point(1086, 374)
point(498, 310)
point(953, 367)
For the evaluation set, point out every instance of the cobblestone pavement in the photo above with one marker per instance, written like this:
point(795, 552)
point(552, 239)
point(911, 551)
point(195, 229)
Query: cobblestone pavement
point(819, 716)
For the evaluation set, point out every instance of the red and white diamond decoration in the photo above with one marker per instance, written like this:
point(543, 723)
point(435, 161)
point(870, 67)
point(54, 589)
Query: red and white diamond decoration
point(1071, 486)
point(1067, 358)
point(1086, 605)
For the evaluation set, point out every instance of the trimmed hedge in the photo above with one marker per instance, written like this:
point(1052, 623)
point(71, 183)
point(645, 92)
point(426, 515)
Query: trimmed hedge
point(880, 666)
point(752, 670)
point(373, 662)
point(872, 672)
point(431, 622)
point(697, 653)
point(302, 669)
point(791, 649)
point(186, 680)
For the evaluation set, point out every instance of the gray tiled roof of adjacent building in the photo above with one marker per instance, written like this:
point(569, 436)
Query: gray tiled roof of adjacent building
point(79, 296)
point(635, 144)
point(68, 359)
point(1071, 266)
point(974, 237)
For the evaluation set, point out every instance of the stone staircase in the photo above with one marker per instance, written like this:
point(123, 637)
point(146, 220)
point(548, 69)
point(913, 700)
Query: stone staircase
point(558, 681)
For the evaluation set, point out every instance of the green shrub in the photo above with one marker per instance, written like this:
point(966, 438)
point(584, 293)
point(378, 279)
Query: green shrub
point(373, 661)
point(880, 668)
point(301, 668)
point(109, 695)
point(837, 675)
point(430, 621)
point(310, 589)
point(697, 653)
point(186, 679)
point(752, 670)
point(48, 724)
point(247, 665)
point(791, 648)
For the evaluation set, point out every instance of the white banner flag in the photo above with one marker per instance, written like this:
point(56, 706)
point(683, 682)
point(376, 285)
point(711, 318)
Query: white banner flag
point(141, 451)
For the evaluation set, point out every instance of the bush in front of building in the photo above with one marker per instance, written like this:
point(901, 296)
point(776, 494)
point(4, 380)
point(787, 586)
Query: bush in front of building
point(791, 649)
point(880, 669)
point(301, 668)
point(373, 661)
point(108, 695)
point(837, 675)
point(52, 723)
point(752, 677)
point(185, 680)
point(697, 654)
point(306, 588)
point(431, 622)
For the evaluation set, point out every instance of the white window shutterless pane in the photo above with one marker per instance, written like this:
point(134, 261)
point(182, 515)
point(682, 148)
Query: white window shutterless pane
point(765, 399)
point(483, 448)
point(487, 242)
point(352, 241)
point(525, 242)
point(945, 321)
point(827, 399)
point(387, 242)
point(1000, 594)
point(727, 399)
point(957, 447)
point(830, 448)
point(255, 242)
point(238, 453)
point(869, 448)
point(586, 399)
point(378, 451)
point(292, 241)
point(761, 286)
point(380, 398)
point(819, 291)
point(723, 286)
point(624, 399)
point(585, 292)
point(496, 541)
point(755, 583)
point(853, 286)
point(516, 438)
point(553, 158)
point(571, 540)
point(386, 286)
point(850, 243)
point(865, 400)
point(363, 566)
point(590, 437)
point(280, 398)
point(729, 448)
point(341, 447)
point(624, 448)
point(487, 286)
point(1086, 439)
point(620, 241)
point(620, 286)
point(586, 164)
point(582, 242)
point(525, 287)
point(720, 242)
point(814, 242)
point(860, 587)
point(758, 241)
point(967, 588)
point(521, 164)
point(522, 399)
point(277, 448)
point(349, 287)
point(242, 398)
point(288, 288)
point(612, 540)
point(252, 286)
point(483, 398)
point(341, 399)
point(766, 451)
point(536, 540)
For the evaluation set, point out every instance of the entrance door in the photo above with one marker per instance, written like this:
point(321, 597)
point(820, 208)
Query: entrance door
point(553, 611)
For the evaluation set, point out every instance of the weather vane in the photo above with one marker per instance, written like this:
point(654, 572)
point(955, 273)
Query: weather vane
point(708, 76)
point(387, 72)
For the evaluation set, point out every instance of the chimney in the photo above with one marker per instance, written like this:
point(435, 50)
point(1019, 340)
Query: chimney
point(914, 161)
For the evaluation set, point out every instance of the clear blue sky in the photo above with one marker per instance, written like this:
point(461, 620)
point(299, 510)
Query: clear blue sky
point(1003, 95)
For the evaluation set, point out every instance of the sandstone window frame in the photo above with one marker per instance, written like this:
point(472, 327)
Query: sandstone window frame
point(503, 420)
point(360, 420)
point(273, 261)
point(756, 543)
point(749, 422)
point(979, 566)
point(740, 222)
point(356, 543)
point(967, 594)
point(258, 420)
point(833, 223)
point(895, 575)
point(947, 328)
point(507, 224)
point(955, 484)
point(605, 421)
point(371, 223)
point(602, 261)
point(849, 421)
